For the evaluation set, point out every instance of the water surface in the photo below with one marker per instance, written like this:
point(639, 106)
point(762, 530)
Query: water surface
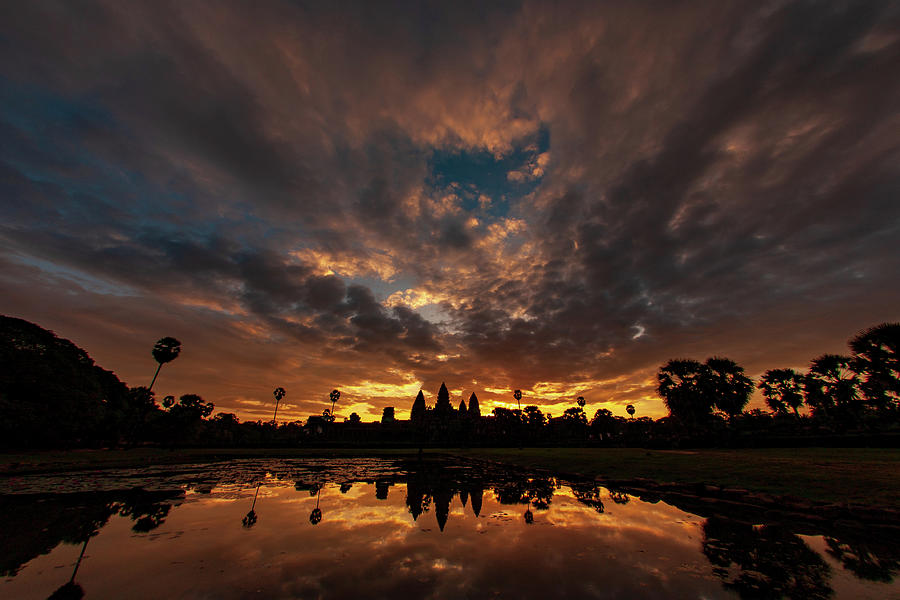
point(386, 528)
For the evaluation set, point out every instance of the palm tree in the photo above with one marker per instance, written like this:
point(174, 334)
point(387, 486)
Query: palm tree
point(726, 383)
point(279, 393)
point(630, 410)
point(315, 517)
point(165, 350)
point(876, 357)
point(782, 388)
point(250, 519)
point(335, 395)
point(681, 386)
point(518, 396)
point(580, 401)
point(832, 386)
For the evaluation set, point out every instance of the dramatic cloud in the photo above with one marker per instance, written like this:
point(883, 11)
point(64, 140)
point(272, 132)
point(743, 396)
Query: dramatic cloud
point(382, 197)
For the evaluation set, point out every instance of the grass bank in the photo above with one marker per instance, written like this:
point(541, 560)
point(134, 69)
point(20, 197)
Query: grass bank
point(866, 476)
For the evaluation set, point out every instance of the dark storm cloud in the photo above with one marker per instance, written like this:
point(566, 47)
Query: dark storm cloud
point(577, 192)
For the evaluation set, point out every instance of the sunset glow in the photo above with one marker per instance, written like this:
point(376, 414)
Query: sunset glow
point(551, 198)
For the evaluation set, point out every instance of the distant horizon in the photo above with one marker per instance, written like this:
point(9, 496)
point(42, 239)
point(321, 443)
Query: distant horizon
point(557, 199)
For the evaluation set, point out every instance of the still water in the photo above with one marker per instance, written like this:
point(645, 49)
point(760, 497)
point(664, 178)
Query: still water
point(377, 528)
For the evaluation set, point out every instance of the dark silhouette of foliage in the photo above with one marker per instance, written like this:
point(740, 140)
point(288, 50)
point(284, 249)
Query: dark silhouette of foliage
point(867, 559)
point(580, 401)
point(764, 562)
point(52, 393)
point(518, 396)
point(729, 387)
point(630, 410)
point(533, 417)
point(474, 409)
point(164, 351)
point(782, 389)
point(876, 358)
point(681, 386)
point(831, 388)
point(279, 393)
point(251, 517)
point(354, 418)
point(387, 415)
point(334, 396)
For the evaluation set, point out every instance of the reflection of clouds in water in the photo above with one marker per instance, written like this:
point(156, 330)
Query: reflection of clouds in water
point(366, 546)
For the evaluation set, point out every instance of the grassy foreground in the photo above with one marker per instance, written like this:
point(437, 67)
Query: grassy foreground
point(866, 476)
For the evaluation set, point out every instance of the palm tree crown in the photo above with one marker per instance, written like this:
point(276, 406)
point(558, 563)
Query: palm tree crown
point(165, 350)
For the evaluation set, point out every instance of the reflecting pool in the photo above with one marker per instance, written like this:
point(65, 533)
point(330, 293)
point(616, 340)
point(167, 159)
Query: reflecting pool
point(406, 529)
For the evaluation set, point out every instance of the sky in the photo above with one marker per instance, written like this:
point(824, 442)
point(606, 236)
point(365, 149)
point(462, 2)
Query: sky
point(382, 196)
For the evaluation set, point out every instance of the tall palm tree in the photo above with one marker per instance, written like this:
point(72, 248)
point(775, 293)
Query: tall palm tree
point(315, 517)
point(165, 350)
point(250, 519)
point(630, 410)
point(518, 396)
point(335, 395)
point(279, 393)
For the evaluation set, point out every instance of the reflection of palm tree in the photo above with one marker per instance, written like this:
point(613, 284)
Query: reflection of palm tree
point(279, 393)
point(71, 590)
point(518, 396)
point(764, 562)
point(315, 517)
point(251, 518)
point(528, 516)
point(165, 350)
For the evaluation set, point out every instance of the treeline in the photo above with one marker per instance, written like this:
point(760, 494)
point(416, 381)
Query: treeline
point(53, 395)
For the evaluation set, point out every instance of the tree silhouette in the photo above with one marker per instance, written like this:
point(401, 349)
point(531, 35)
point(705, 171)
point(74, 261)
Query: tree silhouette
point(580, 401)
point(474, 409)
point(764, 562)
point(315, 517)
point(354, 418)
point(334, 396)
point(782, 389)
point(279, 393)
point(681, 386)
point(250, 519)
point(71, 590)
point(165, 350)
point(518, 396)
point(876, 357)
point(725, 381)
point(866, 558)
point(168, 402)
point(630, 410)
point(832, 388)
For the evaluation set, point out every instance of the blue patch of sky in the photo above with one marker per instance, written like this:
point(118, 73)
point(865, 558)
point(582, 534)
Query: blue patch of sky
point(471, 173)
point(45, 142)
